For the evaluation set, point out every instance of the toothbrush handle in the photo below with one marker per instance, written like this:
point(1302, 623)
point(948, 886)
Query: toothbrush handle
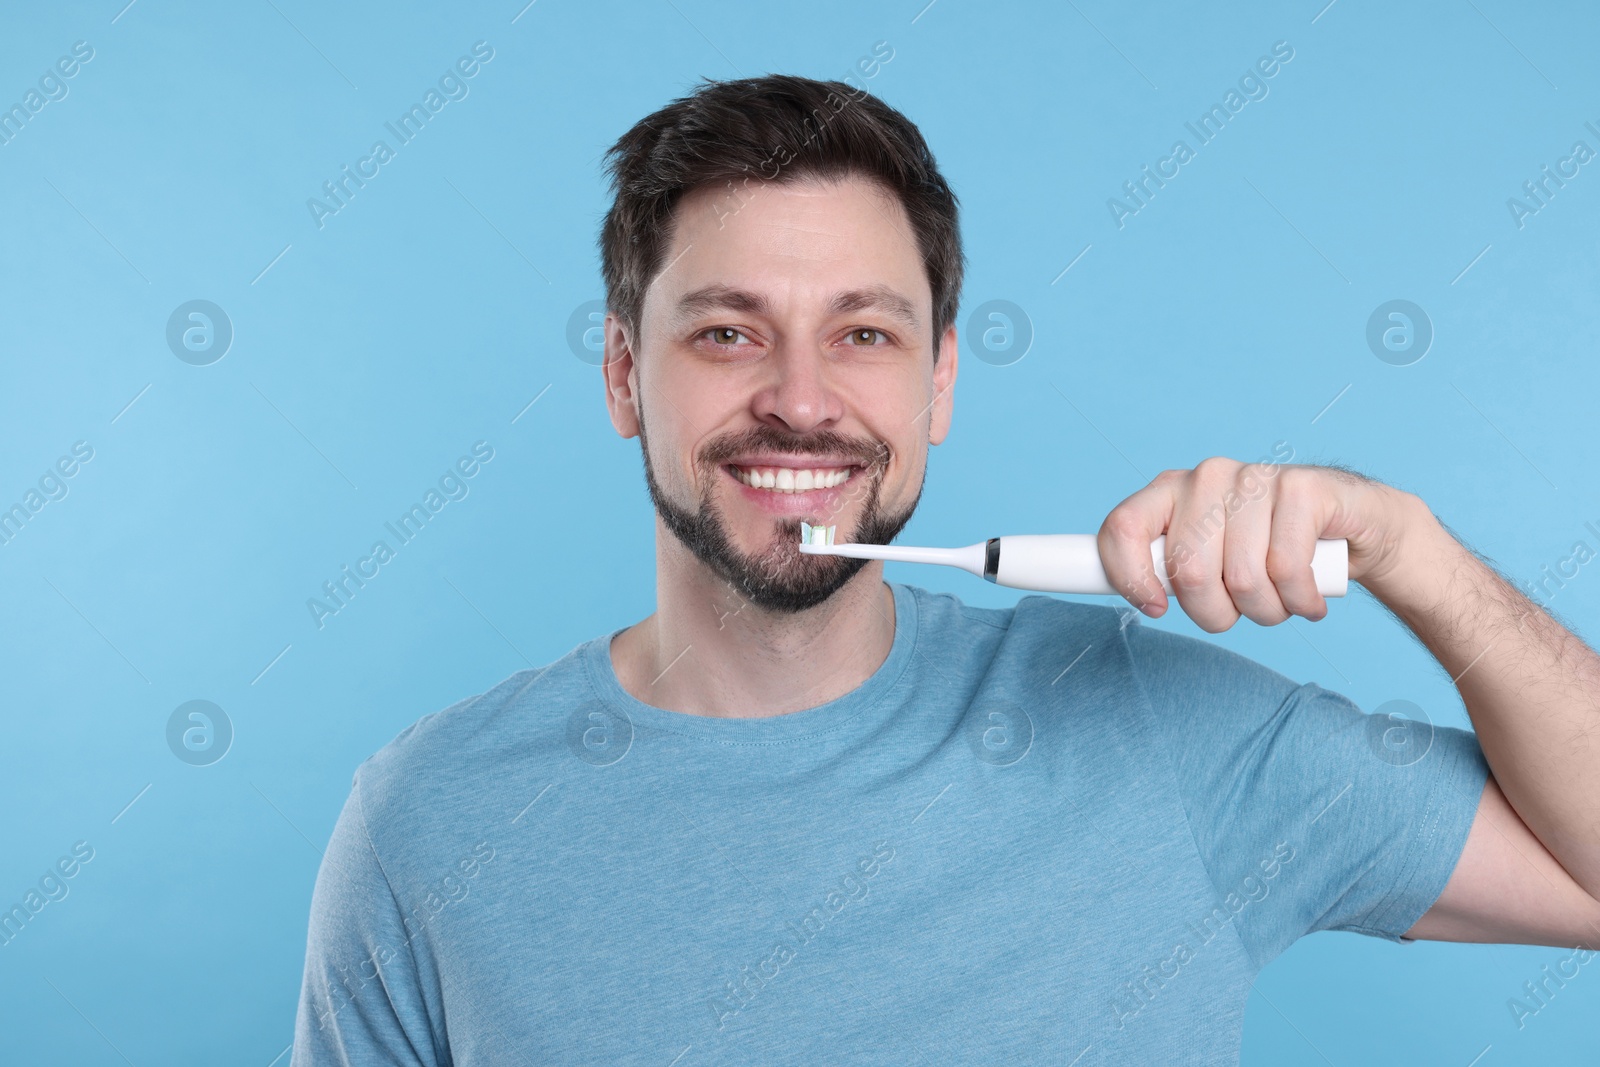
point(1070, 563)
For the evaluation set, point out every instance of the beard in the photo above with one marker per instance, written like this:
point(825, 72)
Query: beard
point(779, 577)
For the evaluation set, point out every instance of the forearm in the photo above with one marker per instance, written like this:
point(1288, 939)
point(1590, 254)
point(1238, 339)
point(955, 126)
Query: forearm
point(1531, 687)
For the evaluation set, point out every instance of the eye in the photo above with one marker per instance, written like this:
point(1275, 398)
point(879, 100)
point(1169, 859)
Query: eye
point(724, 336)
point(857, 335)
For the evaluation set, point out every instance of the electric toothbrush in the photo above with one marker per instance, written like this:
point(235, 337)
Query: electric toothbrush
point(1052, 563)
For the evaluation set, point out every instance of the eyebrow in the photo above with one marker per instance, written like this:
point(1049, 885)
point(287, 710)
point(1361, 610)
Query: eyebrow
point(727, 297)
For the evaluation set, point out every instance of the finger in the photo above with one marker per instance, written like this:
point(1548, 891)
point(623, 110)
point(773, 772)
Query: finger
point(1244, 552)
point(1124, 543)
point(1195, 544)
point(1296, 523)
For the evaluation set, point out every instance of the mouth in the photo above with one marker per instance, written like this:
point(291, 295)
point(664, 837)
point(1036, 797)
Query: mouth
point(797, 487)
point(791, 480)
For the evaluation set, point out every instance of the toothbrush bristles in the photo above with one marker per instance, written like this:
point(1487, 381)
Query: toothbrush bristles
point(816, 535)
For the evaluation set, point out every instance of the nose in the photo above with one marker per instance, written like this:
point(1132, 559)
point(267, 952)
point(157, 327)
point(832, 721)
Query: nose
point(800, 394)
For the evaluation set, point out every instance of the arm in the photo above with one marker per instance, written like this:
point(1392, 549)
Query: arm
point(1530, 873)
point(362, 996)
point(1239, 542)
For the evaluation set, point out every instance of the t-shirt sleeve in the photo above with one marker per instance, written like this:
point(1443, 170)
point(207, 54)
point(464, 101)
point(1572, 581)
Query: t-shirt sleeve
point(361, 998)
point(1309, 813)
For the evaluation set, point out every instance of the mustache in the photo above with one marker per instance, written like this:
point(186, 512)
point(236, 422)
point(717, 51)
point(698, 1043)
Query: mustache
point(869, 453)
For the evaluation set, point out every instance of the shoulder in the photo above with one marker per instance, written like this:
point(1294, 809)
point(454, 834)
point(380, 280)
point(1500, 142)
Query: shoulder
point(1030, 642)
point(1048, 634)
point(451, 764)
point(1168, 663)
point(1032, 616)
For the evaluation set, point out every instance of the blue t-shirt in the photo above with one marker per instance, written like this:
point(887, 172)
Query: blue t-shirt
point(1043, 834)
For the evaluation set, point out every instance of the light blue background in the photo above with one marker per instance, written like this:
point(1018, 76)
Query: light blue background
point(428, 313)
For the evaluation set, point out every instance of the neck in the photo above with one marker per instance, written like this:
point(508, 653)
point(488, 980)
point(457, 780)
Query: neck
point(708, 651)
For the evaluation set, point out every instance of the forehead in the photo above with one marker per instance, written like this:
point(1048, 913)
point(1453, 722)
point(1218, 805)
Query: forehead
point(804, 244)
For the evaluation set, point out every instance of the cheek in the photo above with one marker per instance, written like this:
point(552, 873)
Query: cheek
point(674, 424)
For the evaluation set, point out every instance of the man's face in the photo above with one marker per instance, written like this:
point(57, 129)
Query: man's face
point(783, 372)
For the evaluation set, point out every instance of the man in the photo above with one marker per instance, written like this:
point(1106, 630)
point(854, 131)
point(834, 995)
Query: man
point(799, 815)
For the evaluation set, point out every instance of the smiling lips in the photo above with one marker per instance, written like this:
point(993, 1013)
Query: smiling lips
point(790, 479)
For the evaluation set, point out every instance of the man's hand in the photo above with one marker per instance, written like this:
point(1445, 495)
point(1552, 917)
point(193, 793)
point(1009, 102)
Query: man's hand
point(1239, 542)
point(1240, 538)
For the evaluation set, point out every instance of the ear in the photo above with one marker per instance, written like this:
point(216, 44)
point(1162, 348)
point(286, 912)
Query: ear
point(621, 381)
point(944, 383)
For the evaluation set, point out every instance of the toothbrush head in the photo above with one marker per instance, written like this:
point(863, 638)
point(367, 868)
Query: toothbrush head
point(816, 535)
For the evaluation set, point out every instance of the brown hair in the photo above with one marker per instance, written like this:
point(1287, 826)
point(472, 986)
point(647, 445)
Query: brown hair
point(775, 128)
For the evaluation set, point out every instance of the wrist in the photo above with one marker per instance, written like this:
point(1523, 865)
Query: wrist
point(1412, 569)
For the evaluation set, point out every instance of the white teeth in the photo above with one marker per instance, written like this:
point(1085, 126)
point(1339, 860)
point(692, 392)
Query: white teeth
point(789, 480)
